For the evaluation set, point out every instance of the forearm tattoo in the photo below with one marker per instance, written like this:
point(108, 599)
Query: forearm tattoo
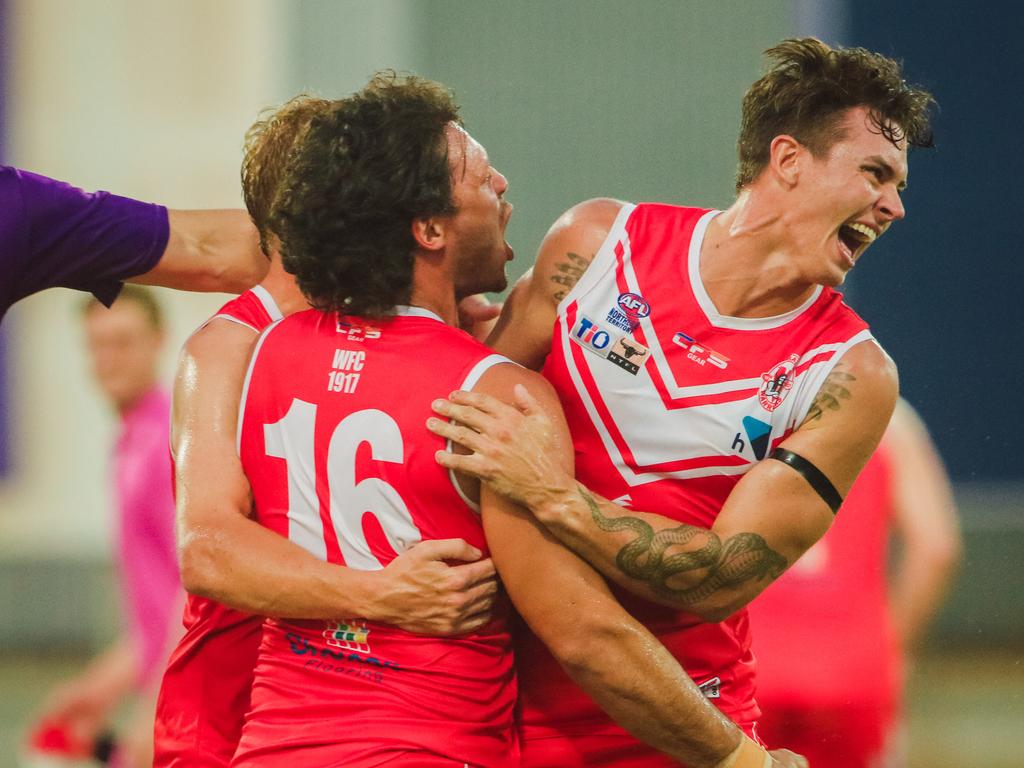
point(738, 559)
point(832, 392)
point(569, 273)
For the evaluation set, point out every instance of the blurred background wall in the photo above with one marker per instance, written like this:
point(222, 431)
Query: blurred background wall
point(573, 99)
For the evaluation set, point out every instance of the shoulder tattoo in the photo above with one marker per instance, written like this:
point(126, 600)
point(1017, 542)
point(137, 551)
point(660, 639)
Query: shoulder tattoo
point(834, 390)
point(568, 271)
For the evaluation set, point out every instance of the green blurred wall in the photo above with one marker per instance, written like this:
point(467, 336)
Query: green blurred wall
point(573, 100)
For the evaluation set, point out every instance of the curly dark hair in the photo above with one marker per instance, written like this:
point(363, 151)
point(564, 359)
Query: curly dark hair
point(361, 174)
point(268, 143)
point(809, 87)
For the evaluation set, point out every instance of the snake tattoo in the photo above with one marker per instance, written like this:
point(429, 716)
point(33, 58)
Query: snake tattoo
point(738, 559)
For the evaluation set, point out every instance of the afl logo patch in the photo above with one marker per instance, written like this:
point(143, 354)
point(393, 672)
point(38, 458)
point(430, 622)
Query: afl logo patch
point(776, 383)
point(634, 306)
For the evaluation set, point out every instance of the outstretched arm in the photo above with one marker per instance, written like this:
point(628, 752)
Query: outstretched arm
point(227, 556)
point(771, 517)
point(209, 251)
point(604, 650)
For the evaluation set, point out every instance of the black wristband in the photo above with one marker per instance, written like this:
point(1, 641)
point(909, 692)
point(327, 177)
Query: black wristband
point(814, 476)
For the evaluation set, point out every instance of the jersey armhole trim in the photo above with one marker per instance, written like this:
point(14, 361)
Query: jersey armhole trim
point(245, 386)
point(801, 413)
point(471, 380)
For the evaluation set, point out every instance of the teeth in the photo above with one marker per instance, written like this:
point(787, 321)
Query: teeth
point(864, 229)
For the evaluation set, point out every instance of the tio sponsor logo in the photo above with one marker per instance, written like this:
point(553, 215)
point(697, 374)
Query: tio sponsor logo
point(592, 336)
point(634, 306)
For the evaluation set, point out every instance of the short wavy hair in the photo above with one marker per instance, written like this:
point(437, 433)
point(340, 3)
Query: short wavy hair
point(268, 143)
point(808, 88)
point(364, 170)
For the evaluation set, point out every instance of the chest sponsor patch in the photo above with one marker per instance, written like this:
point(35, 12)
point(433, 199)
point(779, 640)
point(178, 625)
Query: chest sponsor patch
point(628, 354)
point(592, 336)
point(698, 353)
point(776, 383)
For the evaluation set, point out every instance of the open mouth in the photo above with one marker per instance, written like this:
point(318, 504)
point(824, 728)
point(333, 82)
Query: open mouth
point(854, 239)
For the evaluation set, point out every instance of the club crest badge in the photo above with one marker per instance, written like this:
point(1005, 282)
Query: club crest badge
point(776, 383)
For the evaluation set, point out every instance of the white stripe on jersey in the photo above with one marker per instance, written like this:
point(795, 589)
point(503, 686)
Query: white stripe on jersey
point(267, 301)
point(468, 383)
point(245, 385)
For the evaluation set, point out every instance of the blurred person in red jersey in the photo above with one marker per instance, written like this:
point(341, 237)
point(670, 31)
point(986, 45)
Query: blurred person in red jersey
point(833, 635)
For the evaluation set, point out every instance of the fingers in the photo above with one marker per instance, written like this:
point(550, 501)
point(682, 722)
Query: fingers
point(478, 400)
point(466, 464)
point(472, 623)
point(474, 573)
point(457, 433)
point(527, 403)
point(453, 549)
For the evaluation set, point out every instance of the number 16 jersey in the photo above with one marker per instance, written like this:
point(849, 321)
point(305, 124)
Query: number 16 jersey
point(333, 440)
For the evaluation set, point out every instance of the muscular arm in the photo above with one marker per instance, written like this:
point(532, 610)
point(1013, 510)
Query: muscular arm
point(771, 517)
point(227, 556)
point(603, 649)
point(925, 523)
point(209, 251)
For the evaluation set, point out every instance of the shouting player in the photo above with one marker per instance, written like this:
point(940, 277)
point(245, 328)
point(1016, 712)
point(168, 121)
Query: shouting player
point(389, 213)
point(721, 396)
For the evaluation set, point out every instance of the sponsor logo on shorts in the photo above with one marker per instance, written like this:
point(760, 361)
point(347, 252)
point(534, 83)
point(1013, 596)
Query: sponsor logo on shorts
point(628, 354)
point(340, 661)
point(591, 336)
point(698, 353)
point(712, 689)
point(634, 305)
point(776, 383)
point(348, 634)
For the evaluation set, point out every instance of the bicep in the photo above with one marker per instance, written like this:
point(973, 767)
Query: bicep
point(207, 390)
point(524, 330)
point(776, 501)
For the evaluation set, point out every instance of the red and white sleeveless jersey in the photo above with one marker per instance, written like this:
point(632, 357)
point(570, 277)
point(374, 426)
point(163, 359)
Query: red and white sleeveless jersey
point(333, 439)
point(197, 723)
point(670, 403)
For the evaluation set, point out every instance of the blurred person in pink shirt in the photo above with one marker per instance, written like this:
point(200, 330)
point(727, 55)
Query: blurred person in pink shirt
point(124, 346)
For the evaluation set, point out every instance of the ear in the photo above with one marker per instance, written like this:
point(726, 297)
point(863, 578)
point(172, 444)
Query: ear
point(784, 157)
point(430, 233)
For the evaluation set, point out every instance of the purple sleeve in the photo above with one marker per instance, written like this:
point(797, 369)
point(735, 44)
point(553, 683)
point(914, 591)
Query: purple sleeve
point(53, 234)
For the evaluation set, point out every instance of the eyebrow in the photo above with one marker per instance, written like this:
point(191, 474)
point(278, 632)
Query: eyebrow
point(888, 170)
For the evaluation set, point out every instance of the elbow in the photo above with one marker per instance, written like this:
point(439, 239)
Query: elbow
point(198, 566)
point(580, 646)
point(236, 273)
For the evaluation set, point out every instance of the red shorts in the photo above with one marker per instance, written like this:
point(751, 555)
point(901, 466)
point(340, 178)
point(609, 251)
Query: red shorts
point(851, 736)
point(204, 697)
point(597, 751)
